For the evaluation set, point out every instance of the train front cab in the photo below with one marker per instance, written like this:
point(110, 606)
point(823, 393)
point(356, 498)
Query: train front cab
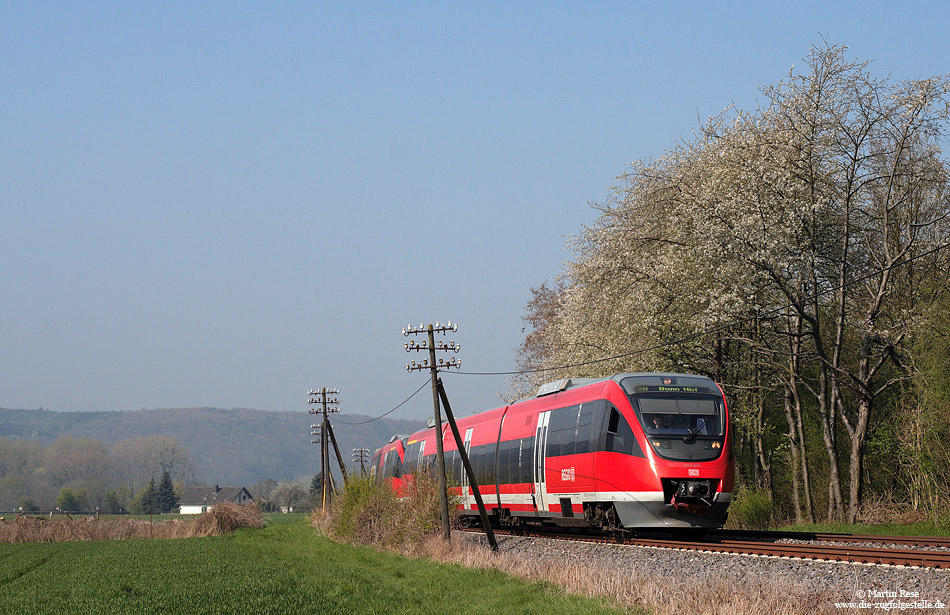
point(681, 470)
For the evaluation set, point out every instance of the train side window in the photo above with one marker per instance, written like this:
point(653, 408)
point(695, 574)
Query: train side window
point(527, 460)
point(569, 430)
point(409, 465)
point(514, 463)
point(473, 459)
point(490, 458)
point(375, 467)
point(614, 425)
point(620, 438)
point(518, 473)
point(507, 453)
point(456, 467)
point(477, 465)
point(582, 439)
point(554, 433)
point(391, 467)
point(501, 473)
point(618, 432)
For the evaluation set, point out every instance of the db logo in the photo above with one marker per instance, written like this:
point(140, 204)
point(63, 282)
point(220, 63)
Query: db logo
point(567, 475)
point(693, 472)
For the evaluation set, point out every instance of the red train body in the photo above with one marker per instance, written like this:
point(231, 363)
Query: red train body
point(643, 450)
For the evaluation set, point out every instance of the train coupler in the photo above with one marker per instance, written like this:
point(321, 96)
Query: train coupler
point(692, 497)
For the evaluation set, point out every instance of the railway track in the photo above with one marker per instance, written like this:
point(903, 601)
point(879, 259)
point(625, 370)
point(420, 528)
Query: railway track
point(765, 544)
point(917, 541)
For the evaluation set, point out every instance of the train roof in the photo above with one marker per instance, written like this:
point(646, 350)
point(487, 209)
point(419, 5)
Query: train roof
point(643, 378)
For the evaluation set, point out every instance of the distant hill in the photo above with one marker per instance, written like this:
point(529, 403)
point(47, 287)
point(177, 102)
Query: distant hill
point(237, 447)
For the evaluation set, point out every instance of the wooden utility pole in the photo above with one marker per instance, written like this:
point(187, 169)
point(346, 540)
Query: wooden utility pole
point(439, 452)
point(361, 455)
point(430, 364)
point(328, 406)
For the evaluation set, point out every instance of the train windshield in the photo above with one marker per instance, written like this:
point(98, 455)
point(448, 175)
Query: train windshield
point(687, 416)
point(682, 427)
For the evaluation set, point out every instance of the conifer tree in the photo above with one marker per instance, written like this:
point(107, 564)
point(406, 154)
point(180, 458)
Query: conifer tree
point(150, 501)
point(165, 495)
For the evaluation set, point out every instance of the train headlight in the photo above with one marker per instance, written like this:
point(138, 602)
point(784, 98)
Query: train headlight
point(716, 445)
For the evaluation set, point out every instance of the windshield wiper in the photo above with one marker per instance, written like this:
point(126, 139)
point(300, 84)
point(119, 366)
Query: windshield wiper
point(692, 434)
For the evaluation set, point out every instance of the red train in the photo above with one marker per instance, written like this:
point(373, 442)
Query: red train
point(644, 450)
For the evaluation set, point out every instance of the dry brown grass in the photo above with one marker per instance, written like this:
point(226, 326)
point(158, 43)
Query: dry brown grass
point(226, 518)
point(222, 519)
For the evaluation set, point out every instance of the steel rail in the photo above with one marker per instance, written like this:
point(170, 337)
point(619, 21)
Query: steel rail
point(917, 541)
point(866, 555)
point(836, 553)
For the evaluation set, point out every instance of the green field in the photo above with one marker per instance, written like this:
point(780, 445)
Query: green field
point(283, 568)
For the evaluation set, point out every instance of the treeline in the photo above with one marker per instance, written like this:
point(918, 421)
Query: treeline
point(236, 446)
point(797, 254)
point(84, 474)
point(143, 475)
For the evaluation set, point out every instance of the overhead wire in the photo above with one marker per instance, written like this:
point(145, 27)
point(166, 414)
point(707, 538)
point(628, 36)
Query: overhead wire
point(404, 402)
point(712, 330)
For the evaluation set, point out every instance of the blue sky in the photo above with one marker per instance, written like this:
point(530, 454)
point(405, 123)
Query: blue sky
point(226, 204)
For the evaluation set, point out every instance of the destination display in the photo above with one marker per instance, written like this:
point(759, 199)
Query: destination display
point(670, 389)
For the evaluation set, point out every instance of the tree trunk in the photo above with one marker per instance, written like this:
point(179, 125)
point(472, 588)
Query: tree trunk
point(793, 439)
point(857, 460)
point(809, 505)
point(762, 459)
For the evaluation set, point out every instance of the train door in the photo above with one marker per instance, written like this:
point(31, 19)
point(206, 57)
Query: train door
point(467, 498)
point(540, 446)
